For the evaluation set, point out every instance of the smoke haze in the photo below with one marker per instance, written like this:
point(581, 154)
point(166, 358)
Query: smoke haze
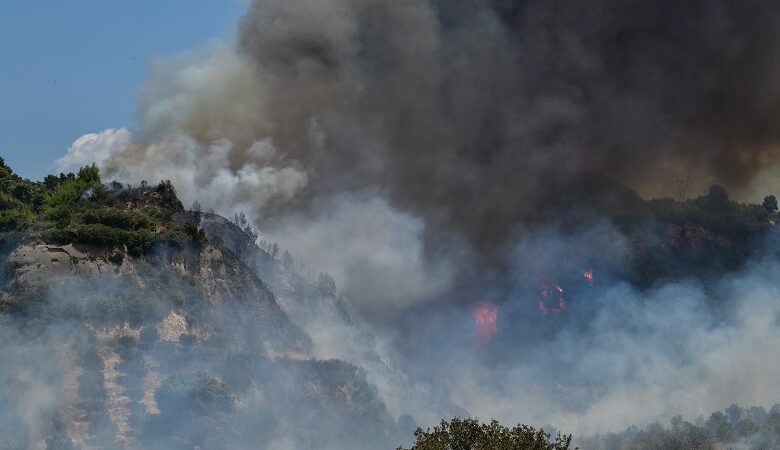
point(411, 149)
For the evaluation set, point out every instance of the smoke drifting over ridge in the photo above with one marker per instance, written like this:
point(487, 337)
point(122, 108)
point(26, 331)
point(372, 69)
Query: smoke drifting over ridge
point(466, 113)
point(432, 129)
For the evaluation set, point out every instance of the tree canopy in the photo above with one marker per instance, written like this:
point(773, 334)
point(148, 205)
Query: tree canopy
point(79, 208)
point(770, 203)
point(471, 434)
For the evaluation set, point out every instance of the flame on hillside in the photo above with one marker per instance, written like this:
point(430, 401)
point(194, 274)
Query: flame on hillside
point(485, 321)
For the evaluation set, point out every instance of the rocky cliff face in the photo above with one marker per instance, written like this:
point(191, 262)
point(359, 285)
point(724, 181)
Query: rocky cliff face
point(182, 346)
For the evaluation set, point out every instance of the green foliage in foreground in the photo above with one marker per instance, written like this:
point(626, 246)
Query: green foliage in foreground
point(470, 434)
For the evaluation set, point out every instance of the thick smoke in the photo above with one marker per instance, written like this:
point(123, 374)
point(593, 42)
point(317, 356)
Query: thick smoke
point(473, 116)
point(618, 356)
point(471, 113)
point(101, 360)
point(375, 250)
point(401, 144)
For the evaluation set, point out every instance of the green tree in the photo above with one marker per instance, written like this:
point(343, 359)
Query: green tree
point(717, 201)
point(89, 174)
point(195, 393)
point(770, 203)
point(470, 434)
point(746, 427)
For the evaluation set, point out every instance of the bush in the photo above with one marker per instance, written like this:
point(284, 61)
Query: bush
point(195, 233)
point(470, 434)
point(67, 193)
point(115, 218)
point(188, 340)
point(89, 174)
point(137, 242)
point(13, 220)
point(61, 215)
point(197, 393)
point(8, 202)
point(149, 335)
point(770, 204)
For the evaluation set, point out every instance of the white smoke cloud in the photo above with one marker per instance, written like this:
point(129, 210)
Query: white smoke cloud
point(363, 93)
point(95, 148)
point(625, 357)
point(208, 95)
point(202, 173)
point(374, 252)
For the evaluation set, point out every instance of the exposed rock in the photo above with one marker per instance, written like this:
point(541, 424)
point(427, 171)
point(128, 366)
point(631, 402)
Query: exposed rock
point(172, 327)
point(33, 264)
point(124, 325)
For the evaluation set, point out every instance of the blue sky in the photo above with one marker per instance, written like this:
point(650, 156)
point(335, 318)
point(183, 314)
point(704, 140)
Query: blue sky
point(72, 67)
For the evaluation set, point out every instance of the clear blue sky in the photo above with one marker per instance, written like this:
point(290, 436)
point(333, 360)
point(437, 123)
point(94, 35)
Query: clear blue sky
point(70, 67)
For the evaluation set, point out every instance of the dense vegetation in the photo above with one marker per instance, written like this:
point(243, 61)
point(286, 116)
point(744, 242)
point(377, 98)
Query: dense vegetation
point(735, 428)
point(663, 239)
point(197, 408)
point(79, 208)
point(470, 434)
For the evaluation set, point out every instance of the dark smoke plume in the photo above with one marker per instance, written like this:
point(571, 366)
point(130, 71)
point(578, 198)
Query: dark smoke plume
point(400, 144)
point(472, 116)
point(471, 112)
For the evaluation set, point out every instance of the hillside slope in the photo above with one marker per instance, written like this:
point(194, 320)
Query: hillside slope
point(125, 326)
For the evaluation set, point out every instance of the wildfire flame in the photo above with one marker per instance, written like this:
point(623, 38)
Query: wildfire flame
point(588, 275)
point(545, 294)
point(550, 294)
point(485, 317)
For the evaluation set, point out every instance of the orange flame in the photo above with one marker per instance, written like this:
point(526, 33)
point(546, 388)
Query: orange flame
point(485, 317)
point(545, 294)
point(588, 275)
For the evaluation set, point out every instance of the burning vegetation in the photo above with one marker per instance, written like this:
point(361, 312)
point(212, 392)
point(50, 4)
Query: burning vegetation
point(485, 321)
point(428, 153)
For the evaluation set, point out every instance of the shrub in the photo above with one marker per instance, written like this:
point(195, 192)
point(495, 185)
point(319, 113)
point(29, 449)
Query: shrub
point(61, 215)
point(89, 174)
point(188, 340)
point(8, 202)
point(67, 193)
point(112, 217)
point(770, 204)
point(470, 434)
point(194, 393)
point(149, 335)
point(195, 233)
point(16, 219)
point(137, 242)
